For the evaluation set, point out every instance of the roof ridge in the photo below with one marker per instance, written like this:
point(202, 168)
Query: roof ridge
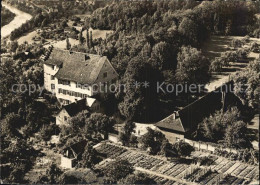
point(76, 52)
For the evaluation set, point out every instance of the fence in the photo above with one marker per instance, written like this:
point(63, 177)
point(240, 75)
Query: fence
point(208, 146)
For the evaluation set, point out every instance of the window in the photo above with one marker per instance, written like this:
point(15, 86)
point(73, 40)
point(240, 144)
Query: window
point(64, 91)
point(53, 67)
point(60, 90)
point(65, 118)
point(64, 82)
point(52, 77)
point(52, 86)
point(104, 74)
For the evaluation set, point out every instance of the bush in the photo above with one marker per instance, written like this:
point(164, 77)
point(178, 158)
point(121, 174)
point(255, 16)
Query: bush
point(236, 43)
point(216, 65)
point(118, 170)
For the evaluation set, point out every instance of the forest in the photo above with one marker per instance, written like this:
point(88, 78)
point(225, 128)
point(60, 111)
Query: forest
point(158, 38)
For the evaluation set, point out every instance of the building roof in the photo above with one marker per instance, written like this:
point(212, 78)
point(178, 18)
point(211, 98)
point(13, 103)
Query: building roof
point(171, 124)
point(75, 66)
point(75, 149)
point(76, 107)
point(190, 116)
point(90, 101)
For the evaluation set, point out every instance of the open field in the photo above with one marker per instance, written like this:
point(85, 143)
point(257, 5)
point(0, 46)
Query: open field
point(62, 43)
point(28, 38)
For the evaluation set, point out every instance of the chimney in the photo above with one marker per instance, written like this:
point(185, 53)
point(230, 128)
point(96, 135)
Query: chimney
point(175, 115)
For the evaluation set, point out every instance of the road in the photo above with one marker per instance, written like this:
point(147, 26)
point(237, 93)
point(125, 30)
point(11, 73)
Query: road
point(19, 19)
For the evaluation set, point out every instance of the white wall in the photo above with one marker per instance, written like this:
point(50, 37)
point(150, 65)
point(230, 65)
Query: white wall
point(48, 72)
point(71, 87)
point(60, 120)
point(66, 162)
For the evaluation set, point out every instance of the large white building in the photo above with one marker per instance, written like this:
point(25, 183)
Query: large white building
point(72, 76)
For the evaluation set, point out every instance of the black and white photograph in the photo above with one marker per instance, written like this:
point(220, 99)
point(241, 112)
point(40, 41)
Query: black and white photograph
point(130, 92)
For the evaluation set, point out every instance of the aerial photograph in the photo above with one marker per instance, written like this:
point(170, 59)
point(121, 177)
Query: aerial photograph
point(130, 92)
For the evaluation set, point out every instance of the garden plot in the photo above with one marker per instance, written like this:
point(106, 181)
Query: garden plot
point(169, 172)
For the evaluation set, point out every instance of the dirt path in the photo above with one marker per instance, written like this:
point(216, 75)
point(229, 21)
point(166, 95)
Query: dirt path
point(163, 176)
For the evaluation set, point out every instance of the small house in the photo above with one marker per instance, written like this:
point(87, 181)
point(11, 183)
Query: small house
point(71, 110)
point(72, 154)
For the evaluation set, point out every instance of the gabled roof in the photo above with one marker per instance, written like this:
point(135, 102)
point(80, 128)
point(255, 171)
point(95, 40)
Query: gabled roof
point(190, 116)
point(76, 107)
point(90, 101)
point(76, 149)
point(75, 66)
point(171, 124)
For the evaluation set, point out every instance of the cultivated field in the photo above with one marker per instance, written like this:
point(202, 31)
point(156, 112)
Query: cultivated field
point(221, 171)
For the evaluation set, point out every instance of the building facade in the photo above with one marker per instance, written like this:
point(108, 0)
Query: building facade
point(72, 76)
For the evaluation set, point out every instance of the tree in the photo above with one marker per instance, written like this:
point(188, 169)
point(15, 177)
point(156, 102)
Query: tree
point(161, 55)
point(99, 123)
point(133, 141)
point(235, 136)
point(152, 140)
point(81, 37)
point(13, 46)
point(129, 127)
point(47, 131)
point(228, 56)
point(246, 84)
point(167, 149)
point(189, 29)
point(19, 156)
point(53, 173)
point(126, 133)
point(68, 179)
point(183, 149)
point(213, 128)
point(117, 170)
point(216, 65)
point(87, 39)
point(193, 67)
point(11, 123)
point(68, 45)
point(90, 40)
point(236, 43)
point(89, 157)
point(254, 47)
point(138, 178)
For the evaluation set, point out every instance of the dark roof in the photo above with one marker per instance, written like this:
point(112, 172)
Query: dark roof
point(76, 149)
point(188, 117)
point(75, 66)
point(76, 107)
point(171, 124)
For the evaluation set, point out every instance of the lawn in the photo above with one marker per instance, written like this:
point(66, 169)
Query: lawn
point(28, 38)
